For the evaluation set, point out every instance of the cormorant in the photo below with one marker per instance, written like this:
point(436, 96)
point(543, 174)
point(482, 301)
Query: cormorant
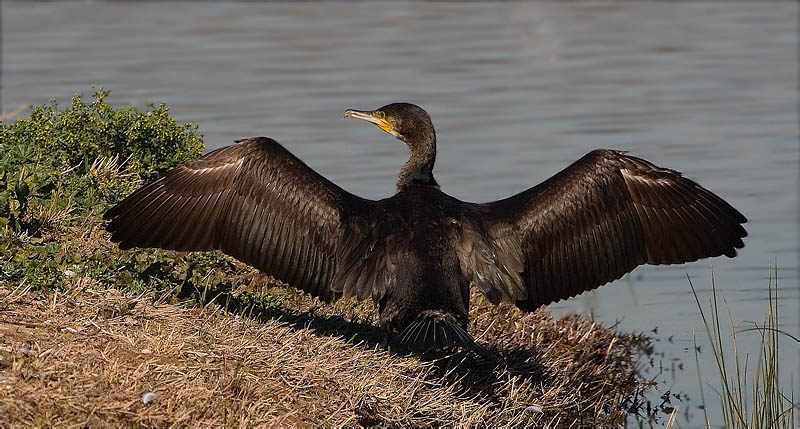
point(417, 253)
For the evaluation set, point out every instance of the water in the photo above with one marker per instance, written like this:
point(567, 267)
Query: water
point(516, 91)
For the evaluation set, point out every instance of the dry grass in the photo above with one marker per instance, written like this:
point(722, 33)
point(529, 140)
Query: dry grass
point(87, 357)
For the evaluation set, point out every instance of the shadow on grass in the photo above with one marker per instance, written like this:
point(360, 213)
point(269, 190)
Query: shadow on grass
point(484, 376)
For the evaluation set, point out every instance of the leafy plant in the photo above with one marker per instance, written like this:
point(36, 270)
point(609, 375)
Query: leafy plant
point(61, 169)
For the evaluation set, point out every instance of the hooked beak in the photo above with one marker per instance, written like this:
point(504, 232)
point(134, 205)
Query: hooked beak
point(369, 117)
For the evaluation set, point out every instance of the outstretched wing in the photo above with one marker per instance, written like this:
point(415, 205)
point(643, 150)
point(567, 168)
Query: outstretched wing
point(600, 218)
point(260, 204)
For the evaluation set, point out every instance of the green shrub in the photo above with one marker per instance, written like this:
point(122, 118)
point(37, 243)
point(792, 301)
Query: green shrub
point(61, 169)
point(150, 142)
point(72, 158)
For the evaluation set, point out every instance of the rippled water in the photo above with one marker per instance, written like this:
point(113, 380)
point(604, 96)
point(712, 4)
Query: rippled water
point(517, 92)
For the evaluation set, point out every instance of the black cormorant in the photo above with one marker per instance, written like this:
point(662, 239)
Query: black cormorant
point(417, 253)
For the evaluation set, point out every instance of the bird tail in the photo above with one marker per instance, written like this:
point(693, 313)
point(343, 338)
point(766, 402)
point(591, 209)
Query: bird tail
point(434, 330)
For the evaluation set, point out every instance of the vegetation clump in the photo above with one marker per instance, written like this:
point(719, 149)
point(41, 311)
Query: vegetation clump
point(88, 331)
point(767, 402)
point(62, 169)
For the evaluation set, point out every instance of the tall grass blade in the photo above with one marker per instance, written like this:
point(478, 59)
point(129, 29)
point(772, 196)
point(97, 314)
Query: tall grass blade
point(765, 404)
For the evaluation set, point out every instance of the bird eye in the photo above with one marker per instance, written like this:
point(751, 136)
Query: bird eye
point(380, 115)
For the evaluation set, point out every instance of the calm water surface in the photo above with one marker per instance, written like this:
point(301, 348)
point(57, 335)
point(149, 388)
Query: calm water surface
point(517, 92)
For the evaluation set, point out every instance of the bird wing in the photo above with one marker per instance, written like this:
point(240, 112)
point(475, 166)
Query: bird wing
point(260, 204)
point(598, 219)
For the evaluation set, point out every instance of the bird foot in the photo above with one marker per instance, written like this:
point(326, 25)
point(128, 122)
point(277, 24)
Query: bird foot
point(385, 342)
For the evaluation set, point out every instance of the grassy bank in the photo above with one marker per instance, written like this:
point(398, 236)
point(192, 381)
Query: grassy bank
point(93, 335)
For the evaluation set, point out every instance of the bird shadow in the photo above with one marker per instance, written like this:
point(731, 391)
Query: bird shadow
point(483, 375)
point(487, 375)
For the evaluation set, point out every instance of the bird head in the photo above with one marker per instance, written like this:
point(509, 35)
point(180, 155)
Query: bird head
point(405, 121)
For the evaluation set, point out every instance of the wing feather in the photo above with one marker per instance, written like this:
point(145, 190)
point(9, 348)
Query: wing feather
point(259, 203)
point(599, 219)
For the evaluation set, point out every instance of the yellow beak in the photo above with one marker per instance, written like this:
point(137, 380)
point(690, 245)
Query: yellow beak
point(369, 117)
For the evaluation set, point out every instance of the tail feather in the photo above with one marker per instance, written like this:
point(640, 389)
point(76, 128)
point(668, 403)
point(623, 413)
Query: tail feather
point(434, 331)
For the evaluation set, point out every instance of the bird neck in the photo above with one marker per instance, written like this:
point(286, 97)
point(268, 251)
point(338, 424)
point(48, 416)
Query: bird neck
point(418, 171)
